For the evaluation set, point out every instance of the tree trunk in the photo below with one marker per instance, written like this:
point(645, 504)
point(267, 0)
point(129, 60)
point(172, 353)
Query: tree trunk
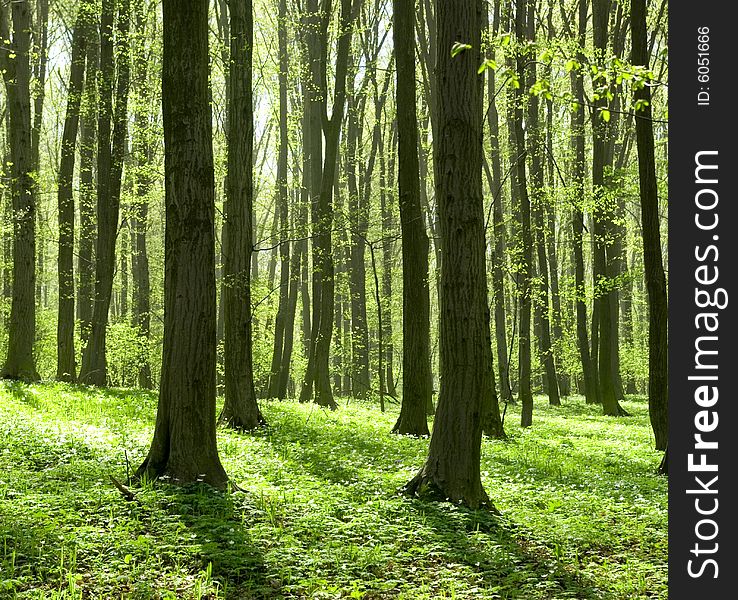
point(591, 392)
point(498, 224)
point(601, 132)
point(417, 387)
point(143, 157)
point(15, 62)
point(184, 447)
point(240, 410)
point(66, 369)
point(525, 270)
point(535, 149)
point(359, 222)
point(109, 169)
point(655, 280)
point(87, 228)
point(282, 208)
point(317, 378)
point(451, 470)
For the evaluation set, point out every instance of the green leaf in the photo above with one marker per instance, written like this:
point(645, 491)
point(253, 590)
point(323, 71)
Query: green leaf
point(458, 48)
point(487, 64)
point(605, 114)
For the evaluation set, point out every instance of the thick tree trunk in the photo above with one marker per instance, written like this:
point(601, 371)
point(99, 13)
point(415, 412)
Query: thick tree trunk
point(240, 410)
point(451, 470)
point(15, 62)
point(110, 170)
point(184, 447)
point(66, 369)
point(655, 280)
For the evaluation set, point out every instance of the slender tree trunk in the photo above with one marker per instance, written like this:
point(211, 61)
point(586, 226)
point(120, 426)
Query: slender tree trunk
point(318, 378)
point(143, 158)
point(282, 208)
point(535, 145)
point(66, 369)
point(184, 447)
point(451, 470)
point(525, 270)
point(498, 223)
point(15, 62)
point(110, 169)
point(359, 222)
point(655, 279)
point(417, 385)
point(591, 391)
point(87, 228)
point(603, 225)
point(240, 410)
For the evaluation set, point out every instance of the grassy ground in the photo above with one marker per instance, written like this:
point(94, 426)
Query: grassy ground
point(584, 516)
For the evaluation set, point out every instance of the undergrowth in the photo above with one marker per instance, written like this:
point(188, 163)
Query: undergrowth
point(583, 513)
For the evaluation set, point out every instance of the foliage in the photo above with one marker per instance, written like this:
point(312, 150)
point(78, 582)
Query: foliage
point(584, 515)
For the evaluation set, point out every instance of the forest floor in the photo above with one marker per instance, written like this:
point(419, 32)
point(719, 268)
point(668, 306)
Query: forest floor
point(583, 513)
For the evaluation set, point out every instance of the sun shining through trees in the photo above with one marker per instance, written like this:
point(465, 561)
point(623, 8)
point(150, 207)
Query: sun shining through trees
point(378, 285)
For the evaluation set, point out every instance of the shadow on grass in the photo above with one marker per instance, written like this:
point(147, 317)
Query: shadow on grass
point(216, 533)
point(507, 559)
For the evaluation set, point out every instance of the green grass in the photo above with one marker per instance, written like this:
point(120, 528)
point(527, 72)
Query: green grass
point(583, 514)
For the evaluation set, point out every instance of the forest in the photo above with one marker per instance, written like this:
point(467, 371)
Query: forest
point(316, 299)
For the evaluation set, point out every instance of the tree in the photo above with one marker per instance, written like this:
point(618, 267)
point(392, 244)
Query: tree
point(15, 64)
point(603, 226)
point(535, 149)
point(317, 375)
point(143, 156)
point(87, 228)
point(66, 369)
point(240, 410)
point(525, 268)
point(112, 131)
point(184, 446)
point(416, 385)
point(658, 367)
point(452, 467)
point(278, 367)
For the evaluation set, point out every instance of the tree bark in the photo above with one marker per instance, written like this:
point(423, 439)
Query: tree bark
point(280, 322)
point(66, 369)
point(87, 228)
point(658, 379)
point(240, 410)
point(110, 170)
point(15, 62)
point(535, 150)
point(451, 470)
point(143, 158)
point(601, 132)
point(184, 447)
point(525, 269)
